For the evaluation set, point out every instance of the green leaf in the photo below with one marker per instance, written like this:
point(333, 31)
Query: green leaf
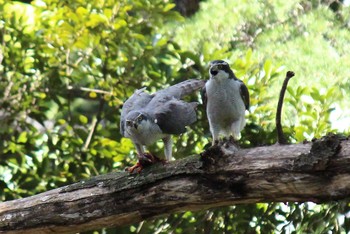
point(168, 7)
point(268, 69)
point(61, 121)
point(22, 138)
point(81, 11)
point(120, 23)
point(290, 90)
point(92, 94)
point(96, 19)
point(83, 119)
point(315, 94)
point(118, 158)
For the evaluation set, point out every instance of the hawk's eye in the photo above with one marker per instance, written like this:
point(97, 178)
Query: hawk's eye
point(140, 118)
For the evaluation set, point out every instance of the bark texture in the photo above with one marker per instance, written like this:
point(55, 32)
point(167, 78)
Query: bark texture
point(316, 171)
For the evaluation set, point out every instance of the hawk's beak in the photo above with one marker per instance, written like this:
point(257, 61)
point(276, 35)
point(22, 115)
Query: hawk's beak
point(214, 71)
point(131, 123)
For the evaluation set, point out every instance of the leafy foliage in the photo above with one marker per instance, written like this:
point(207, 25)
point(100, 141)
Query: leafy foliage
point(67, 66)
point(65, 74)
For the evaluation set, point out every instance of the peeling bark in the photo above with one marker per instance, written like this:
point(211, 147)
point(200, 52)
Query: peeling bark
point(318, 171)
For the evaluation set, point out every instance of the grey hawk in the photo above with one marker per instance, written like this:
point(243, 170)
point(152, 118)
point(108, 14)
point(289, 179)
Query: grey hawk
point(226, 98)
point(146, 118)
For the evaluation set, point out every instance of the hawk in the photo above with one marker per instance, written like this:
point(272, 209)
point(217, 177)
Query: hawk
point(147, 118)
point(226, 98)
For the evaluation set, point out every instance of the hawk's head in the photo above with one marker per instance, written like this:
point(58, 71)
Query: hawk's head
point(135, 119)
point(220, 69)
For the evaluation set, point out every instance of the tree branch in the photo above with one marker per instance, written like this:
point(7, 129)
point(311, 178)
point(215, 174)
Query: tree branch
point(318, 171)
point(280, 135)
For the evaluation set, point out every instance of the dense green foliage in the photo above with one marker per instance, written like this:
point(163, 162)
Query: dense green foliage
point(67, 66)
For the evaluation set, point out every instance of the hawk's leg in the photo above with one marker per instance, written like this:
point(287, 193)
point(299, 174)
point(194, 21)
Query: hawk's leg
point(215, 134)
point(140, 164)
point(214, 130)
point(168, 144)
point(236, 129)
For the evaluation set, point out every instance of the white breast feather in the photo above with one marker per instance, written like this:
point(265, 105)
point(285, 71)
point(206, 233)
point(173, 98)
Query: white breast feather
point(225, 106)
point(147, 133)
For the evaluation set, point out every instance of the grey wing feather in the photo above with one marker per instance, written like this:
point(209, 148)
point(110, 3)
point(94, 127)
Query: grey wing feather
point(137, 101)
point(175, 115)
point(183, 88)
point(244, 94)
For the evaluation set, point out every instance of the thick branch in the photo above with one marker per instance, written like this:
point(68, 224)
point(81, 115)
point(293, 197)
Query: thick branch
point(317, 171)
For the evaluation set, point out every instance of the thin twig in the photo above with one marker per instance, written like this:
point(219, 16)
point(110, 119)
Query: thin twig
point(280, 136)
point(92, 129)
point(94, 124)
point(98, 117)
point(99, 91)
point(138, 230)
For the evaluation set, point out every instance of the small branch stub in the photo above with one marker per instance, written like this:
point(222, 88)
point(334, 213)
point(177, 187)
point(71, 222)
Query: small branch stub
point(280, 135)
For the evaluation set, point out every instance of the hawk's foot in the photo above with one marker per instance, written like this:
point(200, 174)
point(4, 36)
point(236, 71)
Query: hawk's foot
point(220, 142)
point(138, 166)
point(145, 160)
point(231, 141)
point(153, 158)
point(224, 142)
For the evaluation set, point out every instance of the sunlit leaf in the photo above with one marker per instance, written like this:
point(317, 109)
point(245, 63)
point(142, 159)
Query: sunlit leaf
point(22, 138)
point(168, 7)
point(83, 119)
point(92, 94)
